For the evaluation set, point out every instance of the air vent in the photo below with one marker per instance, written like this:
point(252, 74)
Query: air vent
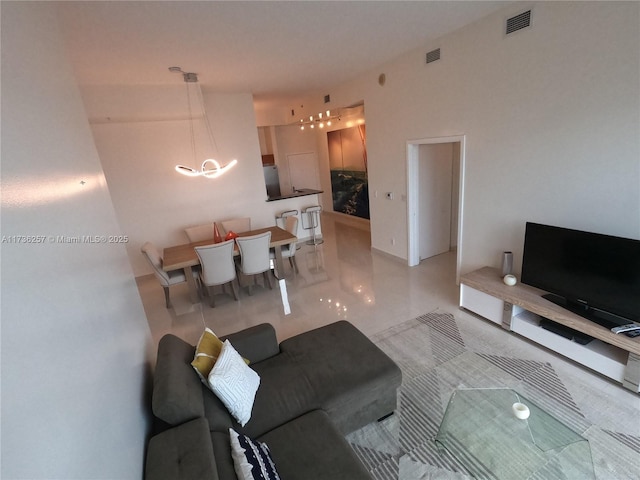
point(327, 98)
point(433, 55)
point(518, 22)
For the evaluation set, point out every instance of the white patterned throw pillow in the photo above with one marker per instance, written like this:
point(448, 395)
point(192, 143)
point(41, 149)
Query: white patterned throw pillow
point(234, 383)
point(251, 459)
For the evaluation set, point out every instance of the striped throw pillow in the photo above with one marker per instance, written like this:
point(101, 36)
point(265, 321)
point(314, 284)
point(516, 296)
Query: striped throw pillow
point(251, 459)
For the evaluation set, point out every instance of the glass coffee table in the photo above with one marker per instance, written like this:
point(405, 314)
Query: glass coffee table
point(480, 428)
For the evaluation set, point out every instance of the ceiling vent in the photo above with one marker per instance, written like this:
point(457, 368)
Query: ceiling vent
point(518, 22)
point(433, 55)
point(327, 98)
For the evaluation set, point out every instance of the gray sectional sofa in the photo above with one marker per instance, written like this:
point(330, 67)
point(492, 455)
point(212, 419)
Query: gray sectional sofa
point(314, 388)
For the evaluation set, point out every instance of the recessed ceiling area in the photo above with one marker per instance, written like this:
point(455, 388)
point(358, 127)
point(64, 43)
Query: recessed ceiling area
point(271, 49)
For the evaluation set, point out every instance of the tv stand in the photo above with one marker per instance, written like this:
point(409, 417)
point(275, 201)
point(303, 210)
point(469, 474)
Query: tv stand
point(521, 309)
point(566, 332)
point(605, 319)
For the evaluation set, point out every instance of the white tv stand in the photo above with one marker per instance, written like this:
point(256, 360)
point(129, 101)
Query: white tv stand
point(520, 309)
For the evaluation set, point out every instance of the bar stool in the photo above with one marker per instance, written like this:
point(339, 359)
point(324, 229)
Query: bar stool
point(281, 219)
point(313, 220)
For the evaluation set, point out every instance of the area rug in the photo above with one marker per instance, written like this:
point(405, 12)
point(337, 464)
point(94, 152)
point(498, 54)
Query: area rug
point(438, 354)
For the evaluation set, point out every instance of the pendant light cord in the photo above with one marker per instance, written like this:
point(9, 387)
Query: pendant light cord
point(191, 129)
point(206, 120)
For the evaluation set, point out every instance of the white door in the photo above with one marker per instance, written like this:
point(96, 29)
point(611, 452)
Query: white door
point(435, 170)
point(303, 171)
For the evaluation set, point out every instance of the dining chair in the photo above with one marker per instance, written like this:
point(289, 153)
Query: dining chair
point(237, 225)
point(199, 233)
point(218, 268)
point(254, 258)
point(289, 251)
point(166, 279)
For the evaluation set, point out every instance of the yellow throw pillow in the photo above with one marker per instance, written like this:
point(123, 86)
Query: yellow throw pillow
point(207, 352)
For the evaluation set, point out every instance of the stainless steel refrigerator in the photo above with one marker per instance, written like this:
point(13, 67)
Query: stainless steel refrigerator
point(272, 181)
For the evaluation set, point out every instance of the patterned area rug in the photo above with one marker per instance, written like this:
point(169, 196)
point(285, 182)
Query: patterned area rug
point(438, 354)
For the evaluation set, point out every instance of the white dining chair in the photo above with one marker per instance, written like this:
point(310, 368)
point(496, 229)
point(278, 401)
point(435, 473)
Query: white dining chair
point(288, 251)
point(236, 225)
point(254, 258)
point(199, 233)
point(166, 279)
point(218, 268)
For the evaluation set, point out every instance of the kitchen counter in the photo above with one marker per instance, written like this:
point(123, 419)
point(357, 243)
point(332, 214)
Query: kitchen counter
point(297, 193)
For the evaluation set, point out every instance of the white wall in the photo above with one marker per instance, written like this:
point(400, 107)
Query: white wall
point(291, 140)
point(550, 116)
point(139, 151)
point(75, 342)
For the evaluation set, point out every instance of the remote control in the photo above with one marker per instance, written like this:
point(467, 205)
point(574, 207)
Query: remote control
point(626, 328)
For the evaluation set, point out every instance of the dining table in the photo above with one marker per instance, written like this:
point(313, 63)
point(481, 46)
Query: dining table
point(185, 257)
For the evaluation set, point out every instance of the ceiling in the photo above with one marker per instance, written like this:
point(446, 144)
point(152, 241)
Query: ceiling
point(272, 49)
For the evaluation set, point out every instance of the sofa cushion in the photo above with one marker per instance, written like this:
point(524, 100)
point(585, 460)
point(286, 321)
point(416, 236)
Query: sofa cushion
point(251, 459)
point(177, 391)
point(234, 383)
point(178, 394)
point(285, 392)
point(311, 448)
point(222, 454)
point(355, 382)
point(255, 343)
point(306, 448)
point(184, 452)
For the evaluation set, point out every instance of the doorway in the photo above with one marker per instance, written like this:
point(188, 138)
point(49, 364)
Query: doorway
point(435, 179)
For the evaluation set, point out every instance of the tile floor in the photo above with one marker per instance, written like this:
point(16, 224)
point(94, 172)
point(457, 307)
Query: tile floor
point(339, 279)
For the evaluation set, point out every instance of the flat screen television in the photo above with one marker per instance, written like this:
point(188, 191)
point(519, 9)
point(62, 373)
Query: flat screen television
point(594, 275)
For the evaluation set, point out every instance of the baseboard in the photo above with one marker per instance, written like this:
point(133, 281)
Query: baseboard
point(389, 255)
point(350, 220)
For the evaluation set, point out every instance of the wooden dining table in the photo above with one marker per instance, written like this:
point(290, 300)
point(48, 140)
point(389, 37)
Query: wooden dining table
point(185, 257)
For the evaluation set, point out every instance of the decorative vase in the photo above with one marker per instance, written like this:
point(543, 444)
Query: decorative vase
point(231, 235)
point(507, 263)
point(217, 238)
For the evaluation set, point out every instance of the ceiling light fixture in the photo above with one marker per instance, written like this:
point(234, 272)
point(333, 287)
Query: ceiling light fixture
point(210, 168)
point(321, 120)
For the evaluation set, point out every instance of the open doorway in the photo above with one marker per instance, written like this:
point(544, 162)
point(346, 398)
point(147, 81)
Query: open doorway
point(435, 179)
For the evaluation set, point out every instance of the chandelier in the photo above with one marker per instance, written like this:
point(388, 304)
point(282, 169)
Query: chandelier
point(321, 120)
point(210, 168)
